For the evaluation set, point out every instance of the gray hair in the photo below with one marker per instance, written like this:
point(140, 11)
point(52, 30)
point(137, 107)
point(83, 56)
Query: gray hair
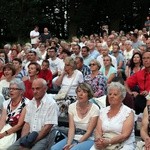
point(119, 87)
point(128, 42)
point(96, 62)
point(71, 62)
point(19, 83)
point(7, 46)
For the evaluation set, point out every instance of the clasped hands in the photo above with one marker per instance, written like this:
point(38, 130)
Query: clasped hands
point(101, 143)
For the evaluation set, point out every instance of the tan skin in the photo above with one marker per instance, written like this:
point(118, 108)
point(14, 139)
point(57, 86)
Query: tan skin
point(84, 106)
point(68, 69)
point(144, 128)
point(146, 64)
point(107, 63)
point(39, 90)
point(115, 100)
point(16, 97)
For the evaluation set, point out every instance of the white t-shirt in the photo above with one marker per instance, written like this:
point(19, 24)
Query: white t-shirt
point(82, 123)
point(34, 33)
point(114, 60)
point(77, 78)
point(55, 64)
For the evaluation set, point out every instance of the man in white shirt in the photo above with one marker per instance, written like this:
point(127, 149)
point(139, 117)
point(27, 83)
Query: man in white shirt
point(105, 52)
point(34, 35)
point(54, 61)
point(41, 116)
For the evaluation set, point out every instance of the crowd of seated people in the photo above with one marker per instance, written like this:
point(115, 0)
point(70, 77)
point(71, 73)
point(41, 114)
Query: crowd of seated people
point(115, 66)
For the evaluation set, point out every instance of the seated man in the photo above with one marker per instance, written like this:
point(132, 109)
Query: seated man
point(41, 116)
point(142, 80)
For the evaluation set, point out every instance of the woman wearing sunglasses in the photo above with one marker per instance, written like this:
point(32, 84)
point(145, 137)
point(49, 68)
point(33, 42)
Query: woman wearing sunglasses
point(97, 81)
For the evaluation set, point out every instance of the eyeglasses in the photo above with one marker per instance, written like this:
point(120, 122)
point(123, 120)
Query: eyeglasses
point(92, 64)
point(14, 89)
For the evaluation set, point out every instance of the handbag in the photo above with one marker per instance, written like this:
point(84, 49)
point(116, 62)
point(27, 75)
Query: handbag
point(109, 135)
point(140, 145)
point(7, 141)
point(63, 92)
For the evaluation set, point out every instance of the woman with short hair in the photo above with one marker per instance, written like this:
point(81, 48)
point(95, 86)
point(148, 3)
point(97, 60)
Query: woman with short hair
point(70, 76)
point(83, 117)
point(115, 126)
point(13, 111)
point(96, 79)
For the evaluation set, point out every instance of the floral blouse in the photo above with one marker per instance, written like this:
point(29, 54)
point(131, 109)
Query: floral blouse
point(98, 84)
point(13, 115)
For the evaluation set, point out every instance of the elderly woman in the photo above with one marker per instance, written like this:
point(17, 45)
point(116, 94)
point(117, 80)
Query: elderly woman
point(9, 72)
point(13, 111)
point(97, 81)
point(69, 79)
point(115, 127)
point(83, 117)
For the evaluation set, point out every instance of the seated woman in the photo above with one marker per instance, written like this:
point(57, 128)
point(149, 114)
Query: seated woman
point(13, 110)
point(9, 73)
point(83, 117)
point(108, 70)
point(145, 128)
point(115, 127)
point(33, 70)
point(70, 76)
point(97, 81)
point(135, 64)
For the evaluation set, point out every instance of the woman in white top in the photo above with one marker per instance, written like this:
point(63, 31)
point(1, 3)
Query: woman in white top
point(83, 117)
point(115, 127)
point(70, 78)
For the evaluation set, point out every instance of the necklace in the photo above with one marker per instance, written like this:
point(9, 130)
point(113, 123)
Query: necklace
point(14, 105)
point(82, 111)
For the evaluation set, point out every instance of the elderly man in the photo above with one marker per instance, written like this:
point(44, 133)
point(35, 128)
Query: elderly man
point(41, 116)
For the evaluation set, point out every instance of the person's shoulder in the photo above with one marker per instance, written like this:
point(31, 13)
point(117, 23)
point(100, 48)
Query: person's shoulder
point(112, 57)
point(49, 98)
point(72, 105)
point(5, 103)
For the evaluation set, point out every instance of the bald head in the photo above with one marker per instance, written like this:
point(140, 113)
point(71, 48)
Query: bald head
point(39, 87)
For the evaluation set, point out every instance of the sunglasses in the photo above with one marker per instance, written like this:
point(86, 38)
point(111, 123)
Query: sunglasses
point(92, 64)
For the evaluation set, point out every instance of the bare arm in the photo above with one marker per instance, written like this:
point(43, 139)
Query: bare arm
point(127, 71)
point(90, 128)
point(44, 131)
point(60, 79)
point(111, 78)
point(144, 125)
point(3, 118)
point(71, 131)
point(20, 123)
point(26, 129)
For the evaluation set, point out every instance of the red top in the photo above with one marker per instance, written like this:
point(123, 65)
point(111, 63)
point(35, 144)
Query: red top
point(1, 73)
point(140, 78)
point(28, 92)
point(47, 75)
